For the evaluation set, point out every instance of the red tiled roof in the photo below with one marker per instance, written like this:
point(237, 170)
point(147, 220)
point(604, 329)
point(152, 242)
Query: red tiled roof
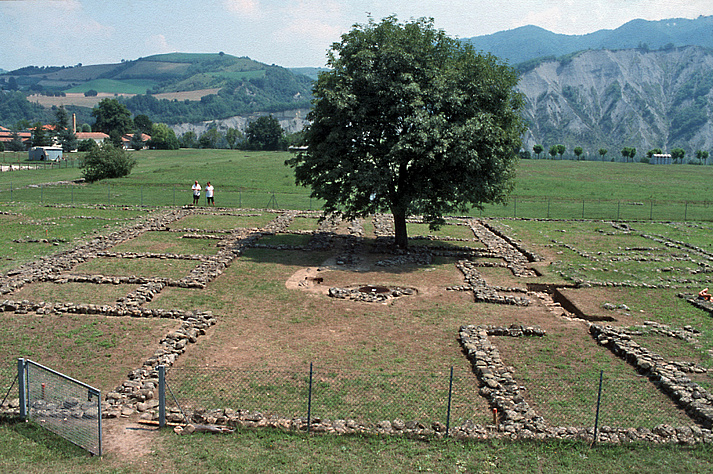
point(92, 135)
point(6, 135)
point(129, 136)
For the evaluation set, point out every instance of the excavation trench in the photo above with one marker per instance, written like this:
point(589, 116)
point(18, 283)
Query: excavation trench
point(564, 302)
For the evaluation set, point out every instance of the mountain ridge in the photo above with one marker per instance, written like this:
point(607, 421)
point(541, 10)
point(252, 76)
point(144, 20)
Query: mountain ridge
point(531, 42)
point(611, 99)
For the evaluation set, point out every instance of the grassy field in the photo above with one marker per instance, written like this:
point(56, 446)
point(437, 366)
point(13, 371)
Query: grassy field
point(274, 451)
point(354, 345)
point(544, 188)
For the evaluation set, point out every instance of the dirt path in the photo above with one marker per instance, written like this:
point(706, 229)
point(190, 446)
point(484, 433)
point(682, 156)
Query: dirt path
point(127, 442)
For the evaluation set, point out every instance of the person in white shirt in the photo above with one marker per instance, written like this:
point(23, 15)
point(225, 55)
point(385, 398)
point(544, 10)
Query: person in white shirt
point(196, 192)
point(209, 194)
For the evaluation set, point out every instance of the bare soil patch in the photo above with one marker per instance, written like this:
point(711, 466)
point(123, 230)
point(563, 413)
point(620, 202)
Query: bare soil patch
point(72, 98)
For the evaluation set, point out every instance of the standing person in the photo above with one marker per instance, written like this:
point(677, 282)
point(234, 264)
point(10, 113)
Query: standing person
point(196, 192)
point(209, 194)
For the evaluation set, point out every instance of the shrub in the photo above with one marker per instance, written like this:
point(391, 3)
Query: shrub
point(106, 161)
point(87, 145)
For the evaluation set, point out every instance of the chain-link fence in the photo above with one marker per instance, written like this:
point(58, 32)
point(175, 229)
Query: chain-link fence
point(624, 402)
point(8, 386)
point(61, 404)
point(366, 397)
point(154, 196)
point(560, 208)
point(371, 397)
point(239, 197)
point(7, 166)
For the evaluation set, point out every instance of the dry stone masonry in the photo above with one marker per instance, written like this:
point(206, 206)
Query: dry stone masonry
point(517, 419)
point(666, 375)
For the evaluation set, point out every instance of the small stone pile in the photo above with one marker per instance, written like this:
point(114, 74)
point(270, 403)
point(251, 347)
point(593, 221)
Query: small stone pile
point(357, 294)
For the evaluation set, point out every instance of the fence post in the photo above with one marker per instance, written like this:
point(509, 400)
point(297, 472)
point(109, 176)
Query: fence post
point(309, 401)
point(142, 195)
point(582, 208)
point(161, 396)
point(174, 194)
point(651, 212)
point(22, 387)
point(599, 400)
point(448, 415)
point(514, 208)
point(548, 207)
point(685, 212)
point(240, 199)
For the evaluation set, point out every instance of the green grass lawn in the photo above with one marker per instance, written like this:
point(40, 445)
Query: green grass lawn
point(294, 327)
point(268, 450)
point(543, 188)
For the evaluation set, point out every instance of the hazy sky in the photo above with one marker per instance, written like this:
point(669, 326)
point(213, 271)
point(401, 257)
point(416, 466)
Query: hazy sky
point(288, 33)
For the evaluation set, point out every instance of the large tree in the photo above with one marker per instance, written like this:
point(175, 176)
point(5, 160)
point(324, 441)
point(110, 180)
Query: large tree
point(65, 135)
point(112, 118)
point(40, 136)
point(411, 121)
point(264, 133)
point(163, 137)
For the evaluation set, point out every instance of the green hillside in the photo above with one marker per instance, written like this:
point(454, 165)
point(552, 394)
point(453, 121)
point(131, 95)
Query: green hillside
point(244, 86)
point(113, 86)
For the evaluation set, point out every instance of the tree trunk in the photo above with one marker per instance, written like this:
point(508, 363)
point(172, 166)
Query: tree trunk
point(401, 238)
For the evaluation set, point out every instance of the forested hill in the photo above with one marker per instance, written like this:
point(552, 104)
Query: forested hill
point(175, 87)
point(531, 42)
point(611, 99)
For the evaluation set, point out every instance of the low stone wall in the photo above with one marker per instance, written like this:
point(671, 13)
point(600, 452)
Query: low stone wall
point(519, 421)
point(497, 383)
point(481, 290)
point(139, 392)
point(667, 376)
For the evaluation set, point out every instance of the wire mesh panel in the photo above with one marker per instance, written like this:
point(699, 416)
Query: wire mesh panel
point(626, 402)
point(337, 394)
point(409, 396)
point(636, 402)
point(279, 392)
point(64, 406)
point(8, 386)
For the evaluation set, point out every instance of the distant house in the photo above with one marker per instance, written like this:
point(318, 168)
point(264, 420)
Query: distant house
point(45, 153)
point(6, 135)
point(126, 140)
point(98, 137)
point(660, 159)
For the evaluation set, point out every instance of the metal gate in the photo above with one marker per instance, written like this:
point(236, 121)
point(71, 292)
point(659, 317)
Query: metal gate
point(61, 404)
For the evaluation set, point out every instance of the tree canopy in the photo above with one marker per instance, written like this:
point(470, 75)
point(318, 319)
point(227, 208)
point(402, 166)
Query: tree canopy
point(264, 133)
point(106, 161)
point(411, 121)
point(112, 116)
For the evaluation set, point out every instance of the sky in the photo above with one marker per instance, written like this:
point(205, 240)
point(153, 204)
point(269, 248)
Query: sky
point(288, 33)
